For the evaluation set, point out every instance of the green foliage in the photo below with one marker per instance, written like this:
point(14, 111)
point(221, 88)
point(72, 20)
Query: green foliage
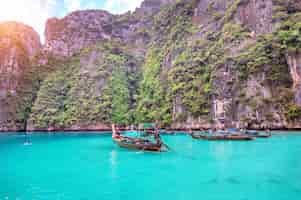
point(174, 23)
point(190, 76)
point(289, 34)
point(91, 93)
point(171, 26)
point(286, 6)
point(120, 96)
point(190, 81)
point(52, 100)
point(231, 10)
point(153, 104)
point(232, 32)
point(293, 112)
point(265, 55)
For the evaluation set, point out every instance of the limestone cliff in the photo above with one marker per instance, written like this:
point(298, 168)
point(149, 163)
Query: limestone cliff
point(185, 63)
point(18, 46)
point(294, 62)
point(65, 37)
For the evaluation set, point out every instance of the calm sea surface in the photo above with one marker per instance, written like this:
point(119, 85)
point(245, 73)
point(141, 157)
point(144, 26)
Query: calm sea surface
point(81, 166)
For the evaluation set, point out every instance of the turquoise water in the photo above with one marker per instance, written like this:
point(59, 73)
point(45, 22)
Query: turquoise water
point(80, 166)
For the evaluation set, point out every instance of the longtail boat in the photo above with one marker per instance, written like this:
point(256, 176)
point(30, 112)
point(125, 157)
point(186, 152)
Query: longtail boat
point(138, 143)
point(258, 134)
point(221, 136)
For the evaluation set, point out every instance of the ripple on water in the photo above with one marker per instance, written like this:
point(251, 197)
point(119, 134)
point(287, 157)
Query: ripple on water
point(233, 180)
point(213, 181)
point(275, 180)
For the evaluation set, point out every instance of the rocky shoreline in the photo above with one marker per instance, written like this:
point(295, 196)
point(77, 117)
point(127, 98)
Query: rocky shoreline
point(102, 130)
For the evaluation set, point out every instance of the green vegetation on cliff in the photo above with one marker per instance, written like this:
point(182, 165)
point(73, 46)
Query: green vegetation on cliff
point(185, 66)
point(89, 89)
point(172, 26)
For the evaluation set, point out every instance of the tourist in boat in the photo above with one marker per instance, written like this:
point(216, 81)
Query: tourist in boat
point(157, 137)
point(224, 130)
point(268, 131)
point(242, 131)
point(205, 131)
point(158, 140)
point(116, 132)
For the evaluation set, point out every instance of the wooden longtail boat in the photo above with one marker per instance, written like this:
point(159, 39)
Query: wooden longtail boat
point(137, 143)
point(258, 134)
point(235, 137)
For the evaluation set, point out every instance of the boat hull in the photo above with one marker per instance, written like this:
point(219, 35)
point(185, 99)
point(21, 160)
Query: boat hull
point(136, 143)
point(139, 146)
point(263, 136)
point(224, 137)
point(258, 135)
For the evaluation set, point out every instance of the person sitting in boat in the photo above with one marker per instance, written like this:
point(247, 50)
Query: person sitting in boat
point(205, 131)
point(149, 132)
point(224, 130)
point(242, 131)
point(116, 132)
point(158, 138)
point(268, 131)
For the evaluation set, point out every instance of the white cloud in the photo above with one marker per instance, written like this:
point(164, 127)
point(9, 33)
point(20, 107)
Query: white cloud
point(31, 12)
point(73, 5)
point(121, 6)
point(114, 6)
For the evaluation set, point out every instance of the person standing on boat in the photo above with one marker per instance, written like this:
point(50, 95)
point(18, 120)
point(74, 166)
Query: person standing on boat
point(157, 137)
point(116, 133)
point(268, 131)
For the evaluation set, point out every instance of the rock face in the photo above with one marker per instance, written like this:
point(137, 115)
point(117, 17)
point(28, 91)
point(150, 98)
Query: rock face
point(65, 37)
point(152, 6)
point(244, 102)
point(256, 15)
point(185, 63)
point(294, 62)
point(206, 11)
point(18, 45)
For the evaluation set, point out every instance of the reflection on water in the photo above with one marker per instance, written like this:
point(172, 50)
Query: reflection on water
point(27, 141)
point(113, 158)
point(113, 161)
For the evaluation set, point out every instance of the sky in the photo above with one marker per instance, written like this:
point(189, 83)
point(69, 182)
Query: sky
point(36, 12)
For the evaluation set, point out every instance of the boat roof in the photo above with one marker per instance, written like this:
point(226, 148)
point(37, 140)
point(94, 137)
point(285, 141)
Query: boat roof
point(147, 125)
